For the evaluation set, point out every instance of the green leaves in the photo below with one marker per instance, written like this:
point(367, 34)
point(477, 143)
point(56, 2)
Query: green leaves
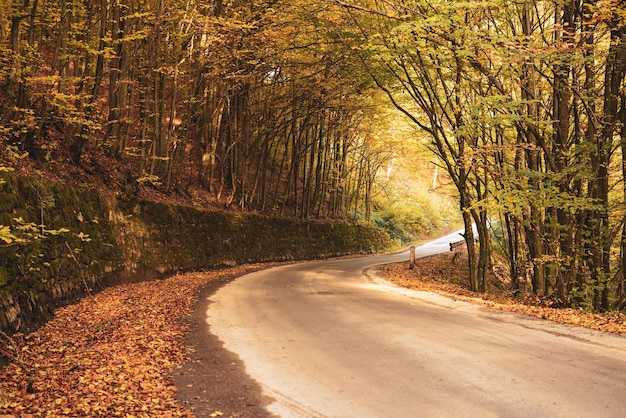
point(7, 236)
point(23, 232)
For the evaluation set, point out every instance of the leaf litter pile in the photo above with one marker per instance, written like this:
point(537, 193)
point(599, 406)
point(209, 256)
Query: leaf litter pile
point(441, 274)
point(112, 354)
point(109, 355)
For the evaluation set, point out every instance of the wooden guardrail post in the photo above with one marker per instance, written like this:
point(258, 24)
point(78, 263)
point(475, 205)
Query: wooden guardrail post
point(457, 248)
point(412, 257)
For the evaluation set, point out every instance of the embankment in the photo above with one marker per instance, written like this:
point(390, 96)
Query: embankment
point(78, 238)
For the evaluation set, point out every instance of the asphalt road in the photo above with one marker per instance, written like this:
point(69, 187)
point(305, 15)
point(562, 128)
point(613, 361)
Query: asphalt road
point(326, 339)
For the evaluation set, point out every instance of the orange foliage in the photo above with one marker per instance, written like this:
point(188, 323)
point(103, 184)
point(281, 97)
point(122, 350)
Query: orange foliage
point(433, 274)
point(109, 355)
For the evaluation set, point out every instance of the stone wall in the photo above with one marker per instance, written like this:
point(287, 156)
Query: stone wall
point(90, 241)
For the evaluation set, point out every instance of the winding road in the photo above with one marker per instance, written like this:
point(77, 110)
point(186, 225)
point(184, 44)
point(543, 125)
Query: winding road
point(330, 339)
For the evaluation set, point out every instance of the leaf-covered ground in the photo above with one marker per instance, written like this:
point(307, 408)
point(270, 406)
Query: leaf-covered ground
point(113, 354)
point(109, 355)
point(441, 275)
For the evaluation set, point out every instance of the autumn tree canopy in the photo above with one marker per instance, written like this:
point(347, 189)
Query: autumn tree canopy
point(256, 101)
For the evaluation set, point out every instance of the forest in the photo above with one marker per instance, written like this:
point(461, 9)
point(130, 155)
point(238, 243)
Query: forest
point(282, 107)
point(252, 100)
point(524, 105)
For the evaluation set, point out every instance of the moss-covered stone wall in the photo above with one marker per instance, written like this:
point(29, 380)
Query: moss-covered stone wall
point(79, 239)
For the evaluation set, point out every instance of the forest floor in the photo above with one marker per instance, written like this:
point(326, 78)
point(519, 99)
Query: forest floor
point(440, 274)
point(130, 350)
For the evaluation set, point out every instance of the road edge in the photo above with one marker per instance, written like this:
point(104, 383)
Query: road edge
point(213, 381)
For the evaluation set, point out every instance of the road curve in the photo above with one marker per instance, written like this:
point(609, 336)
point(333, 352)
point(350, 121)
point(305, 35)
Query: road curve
point(325, 339)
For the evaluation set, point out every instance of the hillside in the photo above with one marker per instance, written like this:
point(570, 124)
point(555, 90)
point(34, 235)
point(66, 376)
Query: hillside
point(131, 150)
